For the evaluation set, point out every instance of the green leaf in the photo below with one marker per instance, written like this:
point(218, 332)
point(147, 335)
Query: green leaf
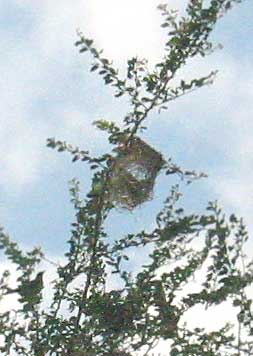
point(84, 49)
point(94, 67)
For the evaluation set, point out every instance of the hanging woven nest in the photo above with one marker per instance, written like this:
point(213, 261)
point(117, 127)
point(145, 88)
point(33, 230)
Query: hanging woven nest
point(134, 171)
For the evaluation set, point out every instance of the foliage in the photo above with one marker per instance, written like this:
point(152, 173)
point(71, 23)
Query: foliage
point(87, 318)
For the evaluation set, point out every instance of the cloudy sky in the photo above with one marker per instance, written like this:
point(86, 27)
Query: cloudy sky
point(47, 91)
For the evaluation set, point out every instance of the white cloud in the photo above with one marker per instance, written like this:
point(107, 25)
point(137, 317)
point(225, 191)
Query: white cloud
point(30, 69)
point(118, 27)
point(126, 28)
point(27, 78)
point(233, 183)
point(15, 132)
point(216, 125)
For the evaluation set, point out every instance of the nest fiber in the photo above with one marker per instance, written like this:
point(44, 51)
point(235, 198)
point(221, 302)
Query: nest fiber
point(133, 173)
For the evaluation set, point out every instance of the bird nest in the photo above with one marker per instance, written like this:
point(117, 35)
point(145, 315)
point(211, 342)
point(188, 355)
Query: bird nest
point(133, 175)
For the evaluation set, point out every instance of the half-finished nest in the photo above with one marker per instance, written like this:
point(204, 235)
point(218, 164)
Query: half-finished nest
point(134, 170)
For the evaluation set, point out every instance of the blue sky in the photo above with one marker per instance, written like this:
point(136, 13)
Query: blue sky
point(47, 91)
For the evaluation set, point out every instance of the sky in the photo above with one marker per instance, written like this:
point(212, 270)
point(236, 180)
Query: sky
point(47, 91)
